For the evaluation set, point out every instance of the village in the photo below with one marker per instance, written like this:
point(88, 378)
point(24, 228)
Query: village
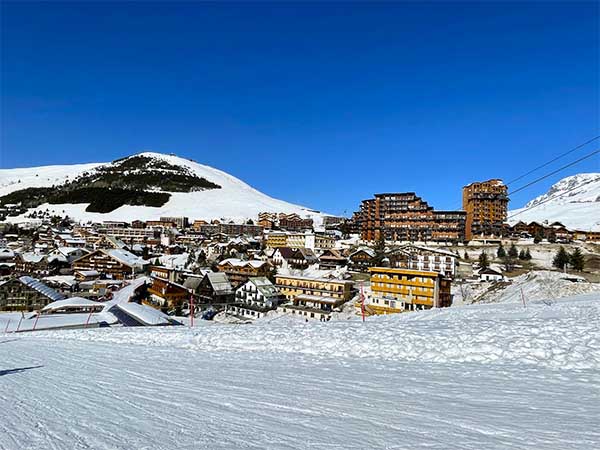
point(396, 254)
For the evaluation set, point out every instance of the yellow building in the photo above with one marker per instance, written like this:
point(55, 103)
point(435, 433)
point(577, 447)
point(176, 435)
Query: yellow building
point(292, 286)
point(398, 290)
point(276, 240)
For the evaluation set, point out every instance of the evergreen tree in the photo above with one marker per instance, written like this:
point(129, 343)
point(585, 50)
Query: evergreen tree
point(501, 253)
point(522, 255)
point(509, 263)
point(552, 237)
point(466, 256)
point(484, 263)
point(538, 237)
point(157, 262)
point(576, 260)
point(561, 259)
point(513, 252)
point(527, 255)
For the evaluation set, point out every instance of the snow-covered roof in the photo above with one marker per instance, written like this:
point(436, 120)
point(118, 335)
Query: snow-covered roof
point(73, 302)
point(41, 288)
point(264, 286)
point(235, 262)
point(125, 257)
point(32, 257)
point(219, 282)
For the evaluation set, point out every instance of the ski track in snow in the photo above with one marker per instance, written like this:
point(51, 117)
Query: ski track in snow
point(475, 377)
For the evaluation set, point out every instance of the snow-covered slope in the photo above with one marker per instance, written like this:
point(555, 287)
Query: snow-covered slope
point(481, 377)
point(574, 201)
point(234, 200)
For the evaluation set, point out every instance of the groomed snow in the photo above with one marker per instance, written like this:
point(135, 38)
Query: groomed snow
point(479, 377)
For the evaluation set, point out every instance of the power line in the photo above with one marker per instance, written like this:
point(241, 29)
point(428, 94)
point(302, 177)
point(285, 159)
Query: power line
point(553, 160)
point(589, 155)
point(544, 201)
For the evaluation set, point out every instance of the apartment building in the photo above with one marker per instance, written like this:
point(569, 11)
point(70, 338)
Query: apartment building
point(424, 259)
point(397, 290)
point(114, 263)
point(180, 222)
point(239, 271)
point(407, 217)
point(486, 205)
point(292, 286)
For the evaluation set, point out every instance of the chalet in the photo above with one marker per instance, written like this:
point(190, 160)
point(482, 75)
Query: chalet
point(108, 242)
point(255, 298)
point(361, 259)
point(86, 275)
point(332, 259)
point(489, 274)
point(425, 259)
point(294, 258)
point(239, 272)
point(308, 306)
point(212, 289)
point(26, 294)
point(166, 292)
point(117, 264)
point(32, 263)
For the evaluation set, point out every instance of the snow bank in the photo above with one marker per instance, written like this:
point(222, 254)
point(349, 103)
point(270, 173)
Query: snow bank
point(562, 335)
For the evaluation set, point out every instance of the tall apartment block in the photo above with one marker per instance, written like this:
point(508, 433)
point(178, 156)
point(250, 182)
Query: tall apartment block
point(486, 204)
point(406, 217)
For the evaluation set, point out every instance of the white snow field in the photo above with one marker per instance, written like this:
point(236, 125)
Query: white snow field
point(574, 201)
point(478, 377)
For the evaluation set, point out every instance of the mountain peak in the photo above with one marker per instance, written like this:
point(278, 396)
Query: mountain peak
point(143, 186)
point(574, 201)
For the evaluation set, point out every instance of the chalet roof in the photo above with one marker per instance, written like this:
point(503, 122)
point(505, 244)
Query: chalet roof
point(41, 288)
point(236, 262)
point(332, 253)
point(125, 257)
point(297, 253)
point(219, 282)
point(88, 273)
point(6, 253)
point(368, 251)
point(192, 282)
point(264, 286)
point(32, 257)
point(489, 271)
point(412, 248)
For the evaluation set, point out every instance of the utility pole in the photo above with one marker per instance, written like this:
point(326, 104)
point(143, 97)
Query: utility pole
point(191, 310)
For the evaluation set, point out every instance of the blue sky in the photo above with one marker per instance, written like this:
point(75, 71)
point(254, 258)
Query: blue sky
point(318, 104)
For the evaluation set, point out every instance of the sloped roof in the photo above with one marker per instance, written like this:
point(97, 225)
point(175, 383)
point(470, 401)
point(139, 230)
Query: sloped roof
point(73, 302)
point(41, 288)
point(219, 282)
point(264, 286)
point(236, 262)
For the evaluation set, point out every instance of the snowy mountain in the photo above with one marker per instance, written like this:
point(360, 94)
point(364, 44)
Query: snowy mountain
point(574, 201)
point(145, 186)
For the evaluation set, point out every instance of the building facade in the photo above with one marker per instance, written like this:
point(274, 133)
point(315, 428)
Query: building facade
point(406, 217)
point(486, 205)
point(397, 290)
